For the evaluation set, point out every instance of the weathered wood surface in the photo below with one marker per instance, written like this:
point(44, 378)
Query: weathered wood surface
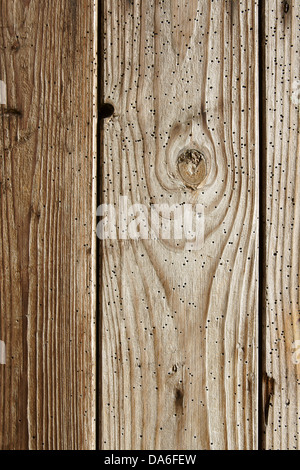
point(281, 341)
point(179, 336)
point(179, 327)
point(47, 245)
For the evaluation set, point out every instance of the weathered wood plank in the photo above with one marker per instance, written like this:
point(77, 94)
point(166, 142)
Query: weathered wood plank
point(179, 325)
point(282, 230)
point(47, 252)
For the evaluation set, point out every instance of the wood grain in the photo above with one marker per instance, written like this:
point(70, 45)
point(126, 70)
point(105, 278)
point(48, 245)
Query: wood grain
point(179, 327)
point(47, 250)
point(282, 230)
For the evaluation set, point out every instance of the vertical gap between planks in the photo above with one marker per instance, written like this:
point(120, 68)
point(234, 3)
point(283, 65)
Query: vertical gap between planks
point(262, 220)
point(98, 241)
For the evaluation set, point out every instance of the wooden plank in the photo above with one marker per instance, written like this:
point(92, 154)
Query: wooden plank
point(47, 254)
point(179, 325)
point(281, 290)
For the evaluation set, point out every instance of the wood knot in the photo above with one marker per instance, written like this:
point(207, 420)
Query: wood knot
point(16, 46)
point(179, 398)
point(10, 112)
point(192, 168)
point(268, 386)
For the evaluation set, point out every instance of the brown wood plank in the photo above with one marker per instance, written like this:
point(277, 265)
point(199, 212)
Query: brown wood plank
point(47, 244)
point(281, 363)
point(179, 326)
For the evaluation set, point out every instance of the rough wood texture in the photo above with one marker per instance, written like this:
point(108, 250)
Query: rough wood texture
point(179, 331)
point(282, 203)
point(47, 161)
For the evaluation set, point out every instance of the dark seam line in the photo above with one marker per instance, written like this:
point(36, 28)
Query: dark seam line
point(262, 218)
point(100, 90)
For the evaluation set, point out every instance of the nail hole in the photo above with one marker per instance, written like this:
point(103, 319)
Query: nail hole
point(106, 110)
